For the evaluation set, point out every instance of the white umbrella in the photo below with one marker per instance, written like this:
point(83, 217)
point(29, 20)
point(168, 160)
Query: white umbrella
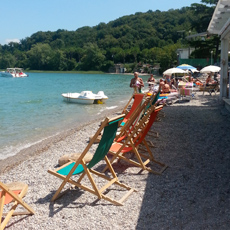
point(210, 68)
point(173, 71)
point(194, 70)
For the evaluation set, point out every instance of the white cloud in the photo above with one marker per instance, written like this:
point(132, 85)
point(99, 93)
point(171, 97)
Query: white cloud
point(12, 40)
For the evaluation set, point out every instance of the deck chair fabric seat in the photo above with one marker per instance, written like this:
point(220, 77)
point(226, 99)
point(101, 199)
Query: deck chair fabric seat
point(138, 98)
point(83, 169)
point(13, 192)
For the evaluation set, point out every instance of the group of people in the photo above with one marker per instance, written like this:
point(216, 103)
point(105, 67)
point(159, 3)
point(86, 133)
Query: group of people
point(167, 84)
point(137, 83)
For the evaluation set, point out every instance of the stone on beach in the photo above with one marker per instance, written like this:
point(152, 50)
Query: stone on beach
point(74, 156)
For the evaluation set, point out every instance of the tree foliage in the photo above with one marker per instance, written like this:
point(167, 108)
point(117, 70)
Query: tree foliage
point(150, 37)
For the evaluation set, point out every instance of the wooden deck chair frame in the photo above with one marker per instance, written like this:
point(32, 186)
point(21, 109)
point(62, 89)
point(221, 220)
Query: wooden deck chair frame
point(211, 88)
point(136, 116)
point(138, 113)
point(16, 196)
point(138, 99)
point(154, 101)
point(129, 102)
point(87, 168)
point(133, 120)
point(132, 142)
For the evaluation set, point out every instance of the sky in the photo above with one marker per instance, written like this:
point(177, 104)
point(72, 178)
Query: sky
point(20, 19)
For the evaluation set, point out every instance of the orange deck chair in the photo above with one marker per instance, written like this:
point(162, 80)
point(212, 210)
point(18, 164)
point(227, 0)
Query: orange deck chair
point(132, 142)
point(13, 192)
point(138, 98)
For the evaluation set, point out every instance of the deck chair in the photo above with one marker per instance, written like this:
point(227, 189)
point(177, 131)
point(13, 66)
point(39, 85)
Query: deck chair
point(130, 124)
point(132, 142)
point(138, 99)
point(13, 192)
point(156, 101)
point(109, 127)
point(210, 89)
point(138, 113)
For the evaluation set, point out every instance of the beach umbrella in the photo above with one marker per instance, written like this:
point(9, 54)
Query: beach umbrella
point(186, 67)
point(194, 70)
point(210, 69)
point(172, 71)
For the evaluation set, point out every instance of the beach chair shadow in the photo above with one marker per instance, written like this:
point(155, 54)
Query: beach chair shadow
point(13, 192)
point(86, 171)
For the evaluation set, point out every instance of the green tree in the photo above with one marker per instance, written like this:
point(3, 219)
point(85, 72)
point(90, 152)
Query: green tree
point(7, 60)
point(40, 56)
point(93, 58)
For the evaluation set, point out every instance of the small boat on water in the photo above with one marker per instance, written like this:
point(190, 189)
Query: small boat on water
point(13, 72)
point(85, 97)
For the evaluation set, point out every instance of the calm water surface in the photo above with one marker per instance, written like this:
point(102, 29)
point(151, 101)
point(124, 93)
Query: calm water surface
point(32, 109)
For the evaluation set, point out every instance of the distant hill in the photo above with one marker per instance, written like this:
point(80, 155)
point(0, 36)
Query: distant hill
point(150, 37)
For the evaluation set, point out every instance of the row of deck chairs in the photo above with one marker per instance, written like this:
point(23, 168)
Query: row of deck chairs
point(120, 135)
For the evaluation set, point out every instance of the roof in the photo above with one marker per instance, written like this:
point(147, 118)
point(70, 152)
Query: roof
point(203, 34)
point(221, 18)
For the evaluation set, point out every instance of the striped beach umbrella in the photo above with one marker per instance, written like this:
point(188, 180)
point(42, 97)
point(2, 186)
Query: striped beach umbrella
point(186, 67)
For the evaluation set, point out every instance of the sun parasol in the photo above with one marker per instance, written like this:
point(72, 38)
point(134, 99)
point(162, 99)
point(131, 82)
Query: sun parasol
point(173, 71)
point(186, 67)
point(210, 69)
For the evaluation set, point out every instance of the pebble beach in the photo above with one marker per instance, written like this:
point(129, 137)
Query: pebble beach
point(192, 193)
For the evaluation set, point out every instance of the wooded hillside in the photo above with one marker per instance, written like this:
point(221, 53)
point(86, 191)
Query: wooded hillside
point(150, 37)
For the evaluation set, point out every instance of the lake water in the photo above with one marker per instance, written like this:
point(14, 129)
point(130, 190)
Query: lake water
point(32, 109)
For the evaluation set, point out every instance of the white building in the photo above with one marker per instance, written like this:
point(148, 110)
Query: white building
point(184, 53)
point(220, 25)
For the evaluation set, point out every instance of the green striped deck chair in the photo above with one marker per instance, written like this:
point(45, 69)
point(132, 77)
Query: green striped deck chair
point(79, 167)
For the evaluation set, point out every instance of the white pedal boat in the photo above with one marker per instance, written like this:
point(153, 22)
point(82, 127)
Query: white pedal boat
point(85, 97)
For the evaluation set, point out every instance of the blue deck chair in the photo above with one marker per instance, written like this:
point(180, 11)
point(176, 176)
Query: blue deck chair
point(109, 127)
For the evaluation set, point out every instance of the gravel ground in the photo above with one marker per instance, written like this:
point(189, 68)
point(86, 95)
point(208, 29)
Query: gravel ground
point(193, 192)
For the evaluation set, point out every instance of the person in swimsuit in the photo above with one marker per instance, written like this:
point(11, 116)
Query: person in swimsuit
point(136, 83)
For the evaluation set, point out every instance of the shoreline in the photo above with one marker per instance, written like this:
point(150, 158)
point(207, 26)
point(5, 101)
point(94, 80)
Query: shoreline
point(38, 148)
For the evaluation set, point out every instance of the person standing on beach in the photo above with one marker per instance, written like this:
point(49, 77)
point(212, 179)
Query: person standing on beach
point(151, 82)
point(136, 83)
point(151, 79)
